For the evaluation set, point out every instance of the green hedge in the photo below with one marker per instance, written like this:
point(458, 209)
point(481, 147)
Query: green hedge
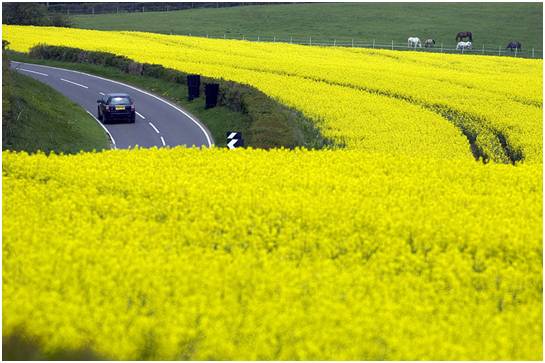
point(272, 124)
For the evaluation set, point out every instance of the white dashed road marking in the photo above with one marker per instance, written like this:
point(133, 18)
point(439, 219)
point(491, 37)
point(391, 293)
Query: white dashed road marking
point(140, 115)
point(163, 141)
point(102, 93)
point(28, 70)
point(155, 128)
point(74, 83)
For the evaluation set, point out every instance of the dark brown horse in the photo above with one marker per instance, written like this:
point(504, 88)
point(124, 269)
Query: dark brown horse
point(462, 35)
point(514, 45)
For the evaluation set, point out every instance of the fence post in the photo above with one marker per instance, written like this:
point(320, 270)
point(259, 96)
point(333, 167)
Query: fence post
point(483, 48)
point(392, 45)
point(532, 52)
point(291, 39)
point(93, 11)
point(516, 52)
point(274, 39)
point(352, 42)
point(117, 10)
point(373, 43)
point(334, 42)
point(223, 35)
point(243, 37)
point(463, 50)
point(499, 50)
point(142, 9)
point(258, 38)
point(310, 41)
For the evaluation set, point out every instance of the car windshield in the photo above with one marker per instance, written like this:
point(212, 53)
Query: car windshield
point(120, 101)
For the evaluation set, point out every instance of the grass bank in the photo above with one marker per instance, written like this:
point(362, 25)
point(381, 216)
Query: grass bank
point(492, 24)
point(40, 118)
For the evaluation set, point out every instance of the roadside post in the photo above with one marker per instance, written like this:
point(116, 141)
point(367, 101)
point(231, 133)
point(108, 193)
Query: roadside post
point(211, 91)
point(193, 86)
point(234, 139)
point(392, 45)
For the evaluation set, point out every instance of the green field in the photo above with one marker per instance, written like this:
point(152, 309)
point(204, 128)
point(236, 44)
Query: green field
point(41, 118)
point(492, 24)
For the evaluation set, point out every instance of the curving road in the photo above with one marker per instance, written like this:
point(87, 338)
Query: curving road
point(158, 122)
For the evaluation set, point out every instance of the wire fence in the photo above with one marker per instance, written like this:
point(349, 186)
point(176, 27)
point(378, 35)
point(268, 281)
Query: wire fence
point(439, 47)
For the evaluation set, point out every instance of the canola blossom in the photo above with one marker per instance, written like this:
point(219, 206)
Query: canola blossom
point(375, 100)
point(252, 254)
point(400, 246)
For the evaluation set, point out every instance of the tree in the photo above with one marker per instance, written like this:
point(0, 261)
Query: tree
point(24, 14)
point(32, 14)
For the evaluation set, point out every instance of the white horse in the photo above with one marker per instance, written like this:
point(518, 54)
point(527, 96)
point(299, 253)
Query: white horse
point(414, 42)
point(464, 45)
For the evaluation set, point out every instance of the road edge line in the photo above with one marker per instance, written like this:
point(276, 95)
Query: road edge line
point(105, 129)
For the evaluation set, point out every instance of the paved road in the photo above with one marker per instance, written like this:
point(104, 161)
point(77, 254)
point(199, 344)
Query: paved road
point(158, 122)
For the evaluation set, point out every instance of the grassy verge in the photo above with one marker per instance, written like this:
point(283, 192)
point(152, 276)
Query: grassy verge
point(492, 24)
point(40, 118)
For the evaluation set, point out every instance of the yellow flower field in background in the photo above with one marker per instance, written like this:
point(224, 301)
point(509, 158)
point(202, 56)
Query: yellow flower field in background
point(375, 100)
point(252, 254)
point(400, 246)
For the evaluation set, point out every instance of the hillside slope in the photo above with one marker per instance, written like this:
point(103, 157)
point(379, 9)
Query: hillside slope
point(492, 24)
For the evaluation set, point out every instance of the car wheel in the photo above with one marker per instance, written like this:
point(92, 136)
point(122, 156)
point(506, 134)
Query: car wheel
point(105, 119)
point(132, 119)
point(99, 114)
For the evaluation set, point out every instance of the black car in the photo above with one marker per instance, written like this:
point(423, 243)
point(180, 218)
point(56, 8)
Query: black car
point(116, 106)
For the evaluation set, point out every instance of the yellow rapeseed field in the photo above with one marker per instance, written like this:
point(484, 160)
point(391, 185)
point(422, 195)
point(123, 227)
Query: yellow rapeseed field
point(375, 100)
point(400, 246)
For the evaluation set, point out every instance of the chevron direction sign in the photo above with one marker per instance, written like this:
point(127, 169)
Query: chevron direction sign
point(234, 139)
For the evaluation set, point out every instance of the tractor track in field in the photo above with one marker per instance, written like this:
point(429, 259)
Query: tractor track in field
point(473, 127)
